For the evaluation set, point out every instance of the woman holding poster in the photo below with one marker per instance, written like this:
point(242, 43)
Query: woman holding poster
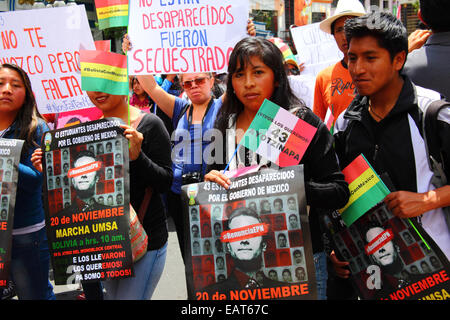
point(150, 175)
point(190, 119)
point(20, 119)
point(256, 73)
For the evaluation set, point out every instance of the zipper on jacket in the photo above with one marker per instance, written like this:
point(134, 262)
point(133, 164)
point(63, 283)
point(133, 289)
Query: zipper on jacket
point(375, 153)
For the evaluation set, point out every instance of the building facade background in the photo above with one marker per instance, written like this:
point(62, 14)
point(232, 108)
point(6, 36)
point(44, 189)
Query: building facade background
point(272, 18)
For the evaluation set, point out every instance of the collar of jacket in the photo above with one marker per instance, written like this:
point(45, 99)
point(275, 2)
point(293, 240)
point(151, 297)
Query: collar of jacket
point(407, 100)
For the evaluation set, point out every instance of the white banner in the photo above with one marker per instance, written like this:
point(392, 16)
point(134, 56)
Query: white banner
point(168, 37)
point(46, 43)
point(317, 49)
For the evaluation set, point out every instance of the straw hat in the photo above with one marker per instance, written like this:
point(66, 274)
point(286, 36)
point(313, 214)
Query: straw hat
point(343, 8)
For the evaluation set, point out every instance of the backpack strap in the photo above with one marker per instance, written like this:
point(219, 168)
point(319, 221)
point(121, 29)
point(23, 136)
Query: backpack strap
point(432, 141)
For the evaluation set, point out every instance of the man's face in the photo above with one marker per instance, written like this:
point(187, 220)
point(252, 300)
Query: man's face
point(293, 221)
point(85, 181)
point(385, 255)
point(246, 249)
point(291, 204)
point(371, 67)
point(339, 34)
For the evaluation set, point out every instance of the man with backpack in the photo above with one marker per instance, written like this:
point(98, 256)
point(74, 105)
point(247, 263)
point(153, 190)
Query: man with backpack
point(384, 123)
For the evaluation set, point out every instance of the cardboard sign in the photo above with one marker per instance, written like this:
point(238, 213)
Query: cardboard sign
point(317, 49)
point(87, 201)
point(46, 43)
point(10, 150)
point(195, 36)
point(390, 258)
point(250, 242)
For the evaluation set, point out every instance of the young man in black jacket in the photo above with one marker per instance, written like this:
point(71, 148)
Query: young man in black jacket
point(383, 123)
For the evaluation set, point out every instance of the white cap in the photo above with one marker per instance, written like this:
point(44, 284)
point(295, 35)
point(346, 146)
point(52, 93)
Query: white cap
point(343, 8)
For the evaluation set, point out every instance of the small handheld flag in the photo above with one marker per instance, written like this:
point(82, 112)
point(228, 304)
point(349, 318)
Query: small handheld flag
point(104, 72)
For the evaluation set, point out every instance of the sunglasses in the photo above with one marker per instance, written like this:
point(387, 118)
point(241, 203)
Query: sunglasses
point(198, 82)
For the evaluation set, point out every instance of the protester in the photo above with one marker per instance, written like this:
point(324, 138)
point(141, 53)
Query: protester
point(191, 119)
point(383, 123)
point(428, 66)
point(255, 73)
point(140, 99)
point(150, 166)
point(20, 119)
point(334, 88)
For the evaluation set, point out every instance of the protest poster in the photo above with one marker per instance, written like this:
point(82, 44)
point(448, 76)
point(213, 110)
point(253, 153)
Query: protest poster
point(390, 258)
point(278, 135)
point(87, 201)
point(251, 241)
point(316, 49)
point(46, 43)
point(184, 36)
point(10, 150)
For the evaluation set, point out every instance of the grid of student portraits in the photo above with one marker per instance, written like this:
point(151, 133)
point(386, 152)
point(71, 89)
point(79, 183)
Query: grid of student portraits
point(107, 184)
point(415, 255)
point(283, 257)
point(6, 173)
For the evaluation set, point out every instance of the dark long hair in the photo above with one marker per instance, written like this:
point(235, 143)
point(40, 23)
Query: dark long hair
point(272, 57)
point(27, 119)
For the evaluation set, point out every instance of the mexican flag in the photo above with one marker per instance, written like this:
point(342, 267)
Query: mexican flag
point(366, 189)
point(104, 72)
point(278, 135)
point(329, 120)
point(112, 13)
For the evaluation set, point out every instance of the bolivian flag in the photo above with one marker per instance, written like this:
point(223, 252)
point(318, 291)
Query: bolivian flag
point(104, 72)
point(278, 135)
point(366, 189)
point(112, 13)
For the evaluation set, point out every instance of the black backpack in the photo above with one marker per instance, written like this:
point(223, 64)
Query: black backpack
point(433, 145)
point(432, 140)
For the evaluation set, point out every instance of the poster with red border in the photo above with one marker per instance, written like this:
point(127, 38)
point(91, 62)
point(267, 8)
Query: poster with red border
point(86, 186)
point(10, 151)
point(251, 241)
point(390, 258)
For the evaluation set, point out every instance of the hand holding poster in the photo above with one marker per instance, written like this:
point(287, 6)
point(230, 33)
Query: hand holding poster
point(390, 258)
point(87, 201)
point(10, 151)
point(250, 242)
point(184, 36)
point(46, 43)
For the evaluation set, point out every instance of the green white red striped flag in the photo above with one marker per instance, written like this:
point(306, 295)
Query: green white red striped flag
point(104, 72)
point(366, 189)
point(112, 13)
point(278, 135)
point(329, 120)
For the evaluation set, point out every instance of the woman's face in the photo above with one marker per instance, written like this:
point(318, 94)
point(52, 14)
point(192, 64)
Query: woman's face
point(12, 91)
point(253, 83)
point(104, 101)
point(199, 92)
point(137, 87)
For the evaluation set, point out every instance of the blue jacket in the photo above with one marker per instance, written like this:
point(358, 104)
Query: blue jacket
point(28, 208)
